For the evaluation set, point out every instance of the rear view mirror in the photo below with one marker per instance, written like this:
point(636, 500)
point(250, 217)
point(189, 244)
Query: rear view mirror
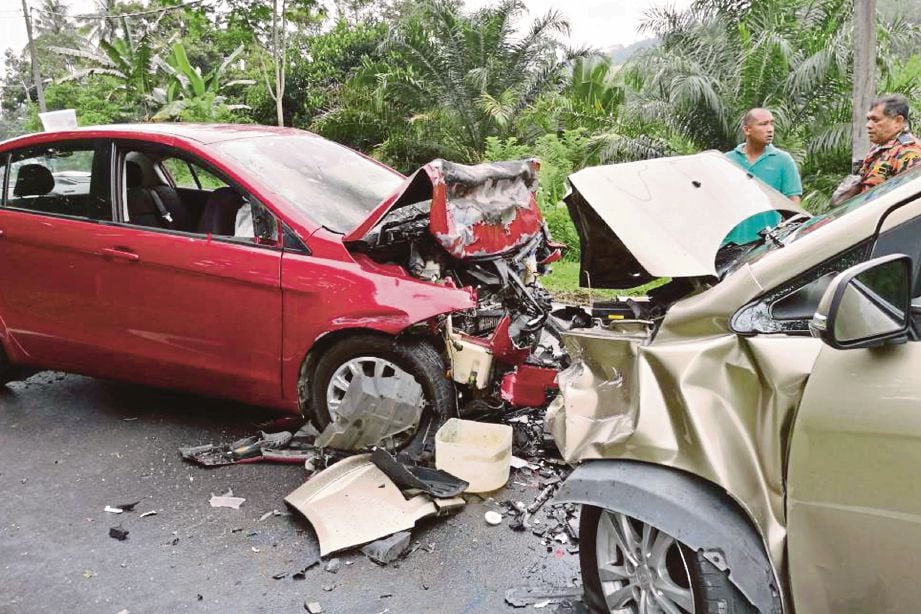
point(867, 305)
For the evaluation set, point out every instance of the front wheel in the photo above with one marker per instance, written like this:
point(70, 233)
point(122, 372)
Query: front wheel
point(379, 363)
point(630, 567)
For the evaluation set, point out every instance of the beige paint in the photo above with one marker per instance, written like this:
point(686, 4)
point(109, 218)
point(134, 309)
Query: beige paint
point(700, 398)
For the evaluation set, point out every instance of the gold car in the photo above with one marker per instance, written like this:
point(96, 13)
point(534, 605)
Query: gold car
point(750, 435)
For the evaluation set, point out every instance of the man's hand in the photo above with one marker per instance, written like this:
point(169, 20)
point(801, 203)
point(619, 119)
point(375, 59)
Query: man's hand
point(848, 187)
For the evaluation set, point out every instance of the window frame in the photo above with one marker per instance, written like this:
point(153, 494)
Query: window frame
point(124, 146)
point(100, 176)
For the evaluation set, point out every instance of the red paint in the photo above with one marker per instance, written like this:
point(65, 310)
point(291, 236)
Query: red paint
point(192, 312)
point(527, 385)
point(504, 349)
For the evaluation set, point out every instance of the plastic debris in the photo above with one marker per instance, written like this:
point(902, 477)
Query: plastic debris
point(120, 533)
point(112, 510)
point(389, 549)
point(432, 481)
point(226, 500)
point(150, 513)
point(333, 566)
point(540, 596)
point(493, 518)
point(313, 607)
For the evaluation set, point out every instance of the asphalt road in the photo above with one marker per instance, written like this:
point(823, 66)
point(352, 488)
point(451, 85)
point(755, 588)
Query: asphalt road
point(71, 445)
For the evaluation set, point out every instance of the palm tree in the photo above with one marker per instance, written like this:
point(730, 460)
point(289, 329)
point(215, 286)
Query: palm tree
point(450, 79)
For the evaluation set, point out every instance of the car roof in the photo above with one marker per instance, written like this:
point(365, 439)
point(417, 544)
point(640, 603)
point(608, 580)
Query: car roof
point(204, 134)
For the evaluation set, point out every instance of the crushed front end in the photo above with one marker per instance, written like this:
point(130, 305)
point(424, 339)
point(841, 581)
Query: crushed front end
point(479, 227)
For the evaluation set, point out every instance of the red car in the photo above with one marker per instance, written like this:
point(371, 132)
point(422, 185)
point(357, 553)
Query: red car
point(277, 268)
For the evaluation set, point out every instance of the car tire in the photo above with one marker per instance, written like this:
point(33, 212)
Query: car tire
point(8, 373)
point(417, 357)
point(709, 589)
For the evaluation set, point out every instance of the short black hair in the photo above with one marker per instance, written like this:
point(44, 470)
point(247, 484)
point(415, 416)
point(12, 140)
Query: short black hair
point(893, 104)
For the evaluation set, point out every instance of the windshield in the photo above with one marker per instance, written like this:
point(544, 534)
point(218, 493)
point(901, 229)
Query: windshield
point(331, 184)
point(798, 227)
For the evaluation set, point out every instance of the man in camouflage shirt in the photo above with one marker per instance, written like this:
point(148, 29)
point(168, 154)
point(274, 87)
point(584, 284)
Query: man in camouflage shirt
point(894, 149)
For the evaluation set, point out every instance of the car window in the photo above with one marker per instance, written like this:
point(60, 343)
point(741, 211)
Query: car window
point(60, 179)
point(201, 202)
point(188, 175)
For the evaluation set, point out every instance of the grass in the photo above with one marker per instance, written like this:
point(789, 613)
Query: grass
point(563, 283)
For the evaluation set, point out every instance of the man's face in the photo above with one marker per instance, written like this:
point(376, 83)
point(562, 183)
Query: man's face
point(882, 128)
point(760, 130)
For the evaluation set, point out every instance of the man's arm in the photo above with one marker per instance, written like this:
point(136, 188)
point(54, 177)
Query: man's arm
point(792, 186)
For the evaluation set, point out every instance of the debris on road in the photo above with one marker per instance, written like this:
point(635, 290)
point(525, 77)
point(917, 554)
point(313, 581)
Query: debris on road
point(432, 481)
point(333, 566)
point(120, 533)
point(387, 550)
point(353, 502)
point(257, 448)
point(493, 518)
point(150, 513)
point(477, 452)
point(112, 510)
point(522, 597)
point(226, 500)
point(313, 607)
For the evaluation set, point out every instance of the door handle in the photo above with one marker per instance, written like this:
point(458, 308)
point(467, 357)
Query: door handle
point(120, 254)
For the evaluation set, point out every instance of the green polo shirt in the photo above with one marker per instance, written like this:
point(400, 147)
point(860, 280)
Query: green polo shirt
point(774, 167)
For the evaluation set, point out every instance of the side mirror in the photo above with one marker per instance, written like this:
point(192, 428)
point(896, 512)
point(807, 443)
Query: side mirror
point(867, 305)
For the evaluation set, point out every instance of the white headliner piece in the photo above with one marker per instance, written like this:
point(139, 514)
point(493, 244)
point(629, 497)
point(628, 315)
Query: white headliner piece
point(672, 214)
point(353, 503)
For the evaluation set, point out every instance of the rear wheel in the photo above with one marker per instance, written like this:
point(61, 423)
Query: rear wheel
point(380, 361)
point(630, 567)
point(8, 372)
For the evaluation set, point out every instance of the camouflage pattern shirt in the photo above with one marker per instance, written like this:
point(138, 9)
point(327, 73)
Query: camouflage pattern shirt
point(888, 160)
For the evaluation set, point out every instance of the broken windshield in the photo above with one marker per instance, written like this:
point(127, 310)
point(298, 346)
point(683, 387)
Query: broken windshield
point(331, 184)
point(798, 226)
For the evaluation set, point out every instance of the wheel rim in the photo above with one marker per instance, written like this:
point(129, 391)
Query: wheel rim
point(642, 570)
point(363, 367)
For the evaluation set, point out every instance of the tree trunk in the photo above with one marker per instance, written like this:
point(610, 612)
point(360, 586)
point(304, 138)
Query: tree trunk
point(864, 75)
point(36, 73)
point(279, 56)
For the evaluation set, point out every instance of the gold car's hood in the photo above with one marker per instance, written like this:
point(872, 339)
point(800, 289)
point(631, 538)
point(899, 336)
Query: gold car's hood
point(662, 218)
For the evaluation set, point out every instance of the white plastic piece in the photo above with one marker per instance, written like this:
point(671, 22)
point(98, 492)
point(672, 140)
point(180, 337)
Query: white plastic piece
point(476, 452)
point(65, 119)
point(493, 518)
point(471, 362)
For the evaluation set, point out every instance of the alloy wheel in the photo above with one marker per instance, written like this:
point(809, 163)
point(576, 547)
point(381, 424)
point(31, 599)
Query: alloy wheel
point(642, 570)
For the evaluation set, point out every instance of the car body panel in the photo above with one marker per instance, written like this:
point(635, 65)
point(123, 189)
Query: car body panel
point(666, 217)
point(854, 458)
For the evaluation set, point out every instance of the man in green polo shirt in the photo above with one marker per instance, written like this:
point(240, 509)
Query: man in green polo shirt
point(773, 166)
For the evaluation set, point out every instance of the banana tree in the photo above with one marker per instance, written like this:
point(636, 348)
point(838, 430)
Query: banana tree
point(191, 95)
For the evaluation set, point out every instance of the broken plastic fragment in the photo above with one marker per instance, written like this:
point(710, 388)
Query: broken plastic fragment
point(226, 501)
point(120, 533)
point(493, 518)
point(387, 550)
point(112, 510)
point(433, 481)
point(372, 411)
point(353, 503)
point(150, 513)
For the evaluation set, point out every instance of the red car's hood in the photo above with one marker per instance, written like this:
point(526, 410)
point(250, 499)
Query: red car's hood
point(476, 211)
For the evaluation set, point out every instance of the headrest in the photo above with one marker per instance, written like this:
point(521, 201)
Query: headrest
point(134, 176)
point(33, 180)
point(226, 198)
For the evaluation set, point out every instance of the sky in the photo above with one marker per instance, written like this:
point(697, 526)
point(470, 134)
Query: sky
point(596, 23)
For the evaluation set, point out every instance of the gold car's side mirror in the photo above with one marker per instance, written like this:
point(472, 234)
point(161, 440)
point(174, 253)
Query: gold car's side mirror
point(867, 305)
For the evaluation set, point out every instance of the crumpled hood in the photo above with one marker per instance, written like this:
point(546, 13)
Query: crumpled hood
point(665, 217)
point(476, 211)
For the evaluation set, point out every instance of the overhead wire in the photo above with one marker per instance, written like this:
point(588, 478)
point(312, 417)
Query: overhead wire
point(165, 9)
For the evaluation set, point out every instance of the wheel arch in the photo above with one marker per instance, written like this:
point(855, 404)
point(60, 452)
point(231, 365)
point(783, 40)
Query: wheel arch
point(694, 511)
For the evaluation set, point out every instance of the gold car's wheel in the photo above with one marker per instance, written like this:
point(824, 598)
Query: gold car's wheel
point(631, 567)
point(641, 569)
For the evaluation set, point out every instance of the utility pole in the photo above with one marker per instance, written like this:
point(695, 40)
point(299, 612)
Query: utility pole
point(36, 74)
point(864, 75)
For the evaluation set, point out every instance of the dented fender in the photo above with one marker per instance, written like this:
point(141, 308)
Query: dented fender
point(323, 296)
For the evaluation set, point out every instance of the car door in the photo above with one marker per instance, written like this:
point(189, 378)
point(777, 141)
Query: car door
point(853, 496)
point(54, 230)
point(195, 310)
